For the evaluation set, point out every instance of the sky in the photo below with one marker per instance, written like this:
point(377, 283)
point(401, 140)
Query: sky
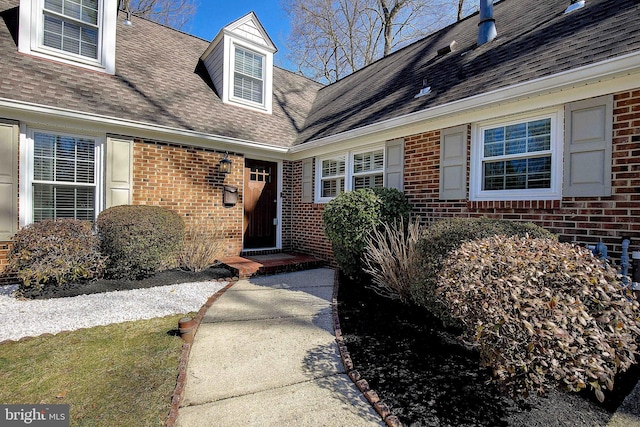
point(213, 15)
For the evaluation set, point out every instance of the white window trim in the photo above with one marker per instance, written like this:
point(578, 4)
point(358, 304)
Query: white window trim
point(348, 167)
point(26, 169)
point(557, 149)
point(30, 39)
point(267, 77)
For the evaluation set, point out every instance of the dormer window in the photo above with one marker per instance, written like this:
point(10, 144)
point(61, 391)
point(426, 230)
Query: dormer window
point(72, 26)
point(248, 77)
point(240, 63)
point(78, 32)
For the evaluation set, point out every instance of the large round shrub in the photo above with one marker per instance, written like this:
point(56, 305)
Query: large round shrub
point(55, 252)
point(140, 240)
point(542, 313)
point(349, 218)
point(445, 235)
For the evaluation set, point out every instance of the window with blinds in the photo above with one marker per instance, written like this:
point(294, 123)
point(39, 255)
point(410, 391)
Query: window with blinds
point(332, 178)
point(72, 26)
point(64, 182)
point(368, 169)
point(517, 156)
point(248, 76)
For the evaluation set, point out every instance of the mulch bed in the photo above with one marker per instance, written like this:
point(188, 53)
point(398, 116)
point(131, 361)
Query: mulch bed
point(427, 379)
point(169, 277)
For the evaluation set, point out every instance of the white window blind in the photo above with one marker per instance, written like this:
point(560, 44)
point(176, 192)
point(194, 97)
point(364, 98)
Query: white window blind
point(368, 169)
point(332, 176)
point(63, 177)
point(517, 156)
point(72, 26)
point(248, 79)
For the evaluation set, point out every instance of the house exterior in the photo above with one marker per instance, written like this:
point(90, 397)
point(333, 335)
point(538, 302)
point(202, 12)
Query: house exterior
point(540, 124)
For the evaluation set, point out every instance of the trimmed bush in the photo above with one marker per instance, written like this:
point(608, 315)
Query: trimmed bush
point(55, 252)
point(349, 218)
point(542, 313)
point(448, 234)
point(140, 240)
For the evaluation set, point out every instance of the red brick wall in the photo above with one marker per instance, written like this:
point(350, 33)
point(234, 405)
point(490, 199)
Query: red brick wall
point(306, 229)
point(583, 220)
point(186, 180)
point(288, 184)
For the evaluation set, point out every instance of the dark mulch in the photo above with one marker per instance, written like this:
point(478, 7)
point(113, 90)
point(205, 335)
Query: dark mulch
point(428, 379)
point(169, 277)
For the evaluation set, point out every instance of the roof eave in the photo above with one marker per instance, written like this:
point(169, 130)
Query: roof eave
point(618, 66)
point(36, 113)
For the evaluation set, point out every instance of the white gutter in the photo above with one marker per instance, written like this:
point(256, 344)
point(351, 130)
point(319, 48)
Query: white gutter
point(608, 69)
point(141, 129)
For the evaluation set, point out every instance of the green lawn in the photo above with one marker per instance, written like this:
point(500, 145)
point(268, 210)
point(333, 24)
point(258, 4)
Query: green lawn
point(117, 375)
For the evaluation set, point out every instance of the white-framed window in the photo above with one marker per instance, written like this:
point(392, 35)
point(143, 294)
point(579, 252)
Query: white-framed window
point(347, 171)
point(62, 177)
point(79, 32)
point(332, 176)
point(518, 158)
point(71, 26)
point(248, 75)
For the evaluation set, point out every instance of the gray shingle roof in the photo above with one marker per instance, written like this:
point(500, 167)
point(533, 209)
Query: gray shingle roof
point(158, 81)
point(535, 39)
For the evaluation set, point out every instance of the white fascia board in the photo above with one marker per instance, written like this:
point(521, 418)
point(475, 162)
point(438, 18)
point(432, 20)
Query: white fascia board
point(52, 117)
point(569, 86)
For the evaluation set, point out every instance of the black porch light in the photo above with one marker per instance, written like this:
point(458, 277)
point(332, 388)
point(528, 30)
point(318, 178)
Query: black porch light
point(225, 164)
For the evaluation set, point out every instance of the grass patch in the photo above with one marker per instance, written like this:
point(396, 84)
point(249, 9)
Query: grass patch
point(117, 375)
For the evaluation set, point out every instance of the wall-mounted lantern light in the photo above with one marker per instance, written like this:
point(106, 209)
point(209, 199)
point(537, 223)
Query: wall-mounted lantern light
point(225, 164)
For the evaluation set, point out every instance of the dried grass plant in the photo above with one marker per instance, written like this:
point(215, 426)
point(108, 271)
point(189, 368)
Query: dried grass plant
point(203, 244)
point(390, 258)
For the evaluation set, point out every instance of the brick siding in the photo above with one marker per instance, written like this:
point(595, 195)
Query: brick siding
point(583, 220)
point(187, 181)
point(306, 229)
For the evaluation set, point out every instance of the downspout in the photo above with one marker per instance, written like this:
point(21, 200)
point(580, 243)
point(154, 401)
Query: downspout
point(487, 25)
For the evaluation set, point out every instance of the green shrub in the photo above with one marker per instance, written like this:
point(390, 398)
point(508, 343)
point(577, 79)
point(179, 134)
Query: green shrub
point(349, 218)
point(448, 234)
point(140, 240)
point(55, 252)
point(542, 313)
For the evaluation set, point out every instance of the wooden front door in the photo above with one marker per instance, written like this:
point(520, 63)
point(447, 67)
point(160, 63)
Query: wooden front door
point(260, 204)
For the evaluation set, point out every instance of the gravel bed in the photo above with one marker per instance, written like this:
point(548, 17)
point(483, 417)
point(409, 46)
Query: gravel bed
point(24, 318)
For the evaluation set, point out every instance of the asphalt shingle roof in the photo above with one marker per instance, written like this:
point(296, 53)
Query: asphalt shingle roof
point(535, 39)
point(158, 80)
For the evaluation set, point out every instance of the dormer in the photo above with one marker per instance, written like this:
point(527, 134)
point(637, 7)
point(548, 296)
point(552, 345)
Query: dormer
point(240, 63)
point(77, 32)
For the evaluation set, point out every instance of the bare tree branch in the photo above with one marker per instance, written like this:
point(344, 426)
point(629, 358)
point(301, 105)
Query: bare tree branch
point(173, 13)
point(333, 38)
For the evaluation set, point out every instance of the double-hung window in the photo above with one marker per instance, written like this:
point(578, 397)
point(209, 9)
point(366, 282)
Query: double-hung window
point(352, 170)
point(248, 76)
point(63, 181)
point(368, 169)
point(332, 176)
point(77, 32)
point(519, 159)
point(71, 26)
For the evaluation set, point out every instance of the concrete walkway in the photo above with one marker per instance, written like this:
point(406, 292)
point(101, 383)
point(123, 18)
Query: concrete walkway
point(265, 355)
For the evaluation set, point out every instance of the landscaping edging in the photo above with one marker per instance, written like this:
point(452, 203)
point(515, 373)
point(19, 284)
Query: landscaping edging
point(181, 380)
point(372, 397)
